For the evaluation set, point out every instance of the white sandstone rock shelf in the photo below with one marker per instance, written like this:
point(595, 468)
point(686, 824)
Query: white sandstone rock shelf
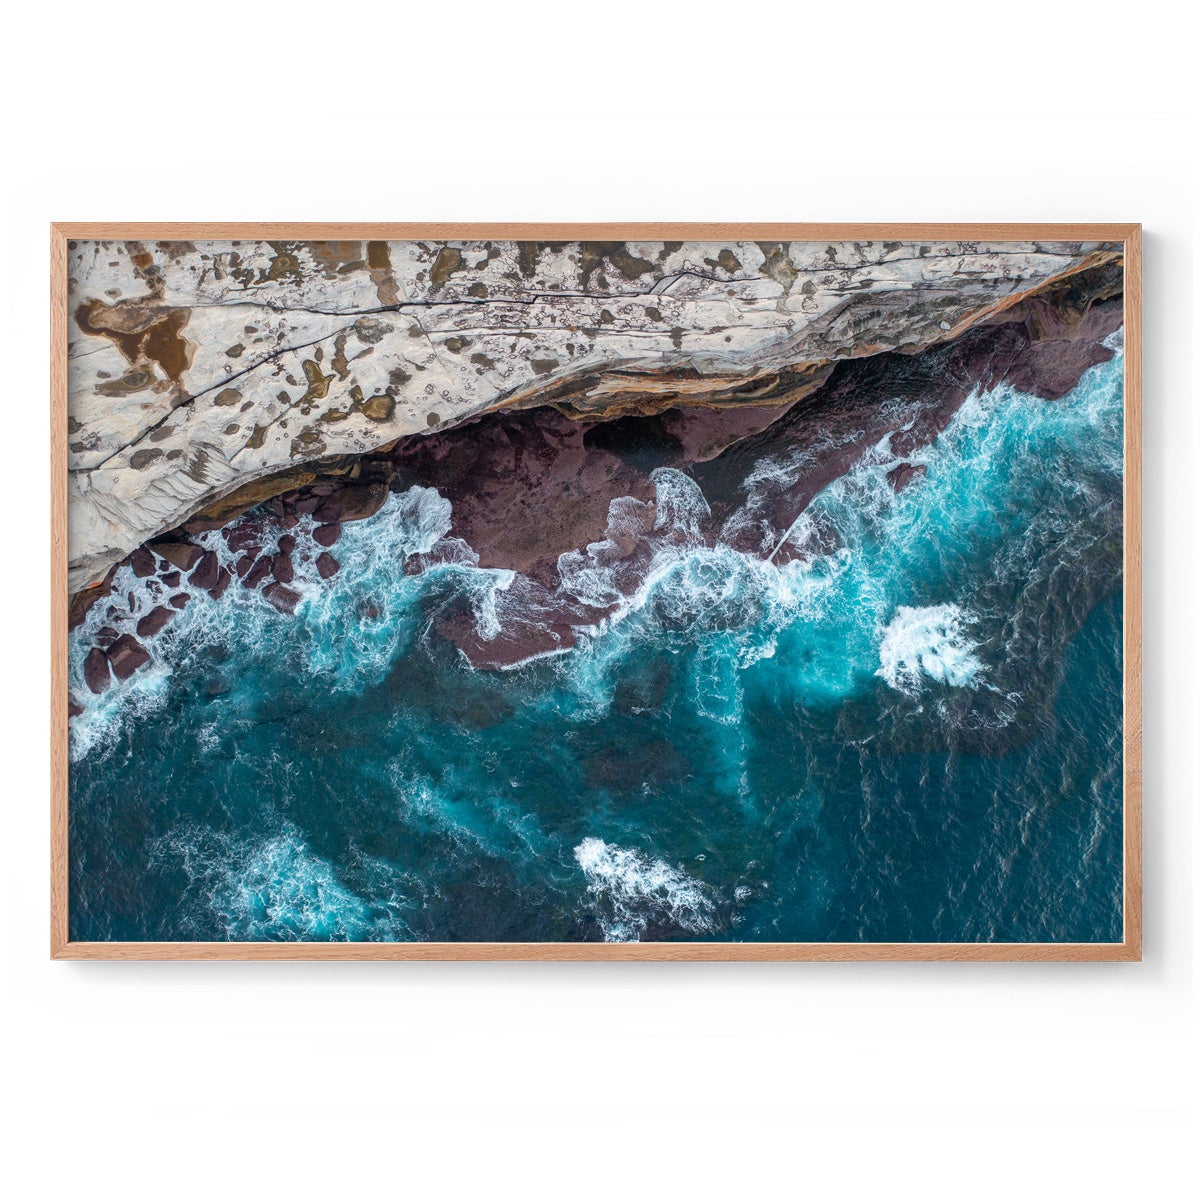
point(198, 368)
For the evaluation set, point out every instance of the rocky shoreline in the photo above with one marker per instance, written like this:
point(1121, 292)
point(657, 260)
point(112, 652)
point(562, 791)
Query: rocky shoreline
point(530, 485)
point(207, 377)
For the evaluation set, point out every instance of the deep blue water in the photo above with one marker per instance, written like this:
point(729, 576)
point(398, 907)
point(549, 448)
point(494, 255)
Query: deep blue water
point(915, 735)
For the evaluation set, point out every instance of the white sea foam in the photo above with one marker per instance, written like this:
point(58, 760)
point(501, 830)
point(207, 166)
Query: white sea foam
point(630, 890)
point(923, 644)
point(273, 887)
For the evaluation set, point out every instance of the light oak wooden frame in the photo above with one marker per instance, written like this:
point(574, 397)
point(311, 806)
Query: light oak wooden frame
point(1129, 949)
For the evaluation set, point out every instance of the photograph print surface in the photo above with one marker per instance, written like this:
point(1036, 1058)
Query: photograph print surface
point(659, 591)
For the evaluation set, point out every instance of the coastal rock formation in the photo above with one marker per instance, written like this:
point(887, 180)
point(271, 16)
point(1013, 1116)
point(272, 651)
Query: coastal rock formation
point(560, 503)
point(206, 378)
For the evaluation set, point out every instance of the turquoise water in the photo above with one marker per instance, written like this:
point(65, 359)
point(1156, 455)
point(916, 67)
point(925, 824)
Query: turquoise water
point(910, 732)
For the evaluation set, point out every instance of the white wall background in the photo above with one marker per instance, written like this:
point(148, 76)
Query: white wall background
point(179, 1080)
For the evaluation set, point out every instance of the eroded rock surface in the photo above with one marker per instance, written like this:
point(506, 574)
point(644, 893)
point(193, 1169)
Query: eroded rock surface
point(206, 378)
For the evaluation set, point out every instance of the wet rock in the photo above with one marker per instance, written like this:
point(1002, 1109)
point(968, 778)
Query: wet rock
point(281, 597)
point(143, 562)
point(282, 569)
point(155, 621)
point(126, 655)
point(95, 671)
point(224, 579)
point(327, 565)
point(106, 636)
point(74, 708)
point(326, 535)
point(287, 544)
point(206, 572)
point(354, 502)
point(247, 536)
point(306, 505)
point(244, 564)
point(906, 473)
point(82, 602)
point(184, 555)
point(181, 601)
point(257, 573)
point(172, 579)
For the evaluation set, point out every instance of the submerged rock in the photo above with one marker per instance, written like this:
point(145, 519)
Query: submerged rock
point(281, 597)
point(906, 473)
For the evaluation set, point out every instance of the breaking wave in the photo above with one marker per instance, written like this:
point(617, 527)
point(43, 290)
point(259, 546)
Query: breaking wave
point(631, 891)
point(923, 644)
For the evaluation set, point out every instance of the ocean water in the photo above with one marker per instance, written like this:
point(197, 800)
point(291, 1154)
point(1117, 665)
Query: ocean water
point(907, 727)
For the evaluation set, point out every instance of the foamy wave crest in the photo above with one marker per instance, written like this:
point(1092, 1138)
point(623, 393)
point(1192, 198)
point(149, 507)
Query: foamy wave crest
point(632, 891)
point(98, 728)
point(922, 644)
point(275, 889)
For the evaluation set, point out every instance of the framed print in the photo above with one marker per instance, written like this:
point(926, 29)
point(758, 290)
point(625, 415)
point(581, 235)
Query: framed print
point(596, 591)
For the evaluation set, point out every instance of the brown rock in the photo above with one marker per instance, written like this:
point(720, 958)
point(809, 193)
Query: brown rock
point(224, 579)
point(906, 473)
point(181, 601)
point(143, 562)
point(248, 537)
point(82, 602)
point(287, 544)
point(74, 708)
point(355, 502)
point(327, 565)
point(106, 636)
point(184, 555)
point(257, 573)
point(95, 671)
point(206, 572)
point(281, 597)
point(306, 504)
point(126, 655)
point(244, 563)
point(326, 535)
point(282, 569)
point(171, 579)
point(155, 621)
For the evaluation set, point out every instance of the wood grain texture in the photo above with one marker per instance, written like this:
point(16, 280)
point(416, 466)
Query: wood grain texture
point(58, 593)
point(1127, 950)
point(1133, 593)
